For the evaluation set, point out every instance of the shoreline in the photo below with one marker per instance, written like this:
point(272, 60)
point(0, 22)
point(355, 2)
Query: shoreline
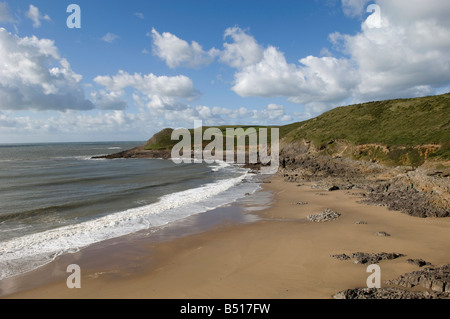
point(280, 256)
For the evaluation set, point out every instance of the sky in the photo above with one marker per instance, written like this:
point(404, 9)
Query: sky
point(123, 70)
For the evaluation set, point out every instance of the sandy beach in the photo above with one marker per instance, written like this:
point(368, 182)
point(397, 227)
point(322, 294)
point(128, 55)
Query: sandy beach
point(282, 255)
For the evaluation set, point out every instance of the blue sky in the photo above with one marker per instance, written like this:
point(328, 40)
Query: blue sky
point(137, 66)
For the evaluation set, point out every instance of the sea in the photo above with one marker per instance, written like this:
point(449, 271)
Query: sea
point(56, 199)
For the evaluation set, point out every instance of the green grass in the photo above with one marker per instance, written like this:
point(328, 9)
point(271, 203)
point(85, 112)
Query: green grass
point(163, 139)
point(407, 122)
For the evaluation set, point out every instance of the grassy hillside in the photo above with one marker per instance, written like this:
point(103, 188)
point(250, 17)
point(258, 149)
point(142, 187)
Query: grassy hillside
point(402, 131)
point(406, 122)
point(398, 132)
point(162, 140)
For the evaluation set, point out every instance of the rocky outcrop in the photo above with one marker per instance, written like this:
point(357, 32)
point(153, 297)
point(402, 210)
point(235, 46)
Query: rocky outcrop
point(325, 216)
point(417, 192)
point(418, 262)
point(434, 278)
point(138, 152)
point(388, 293)
point(367, 258)
point(436, 281)
point(400, 196)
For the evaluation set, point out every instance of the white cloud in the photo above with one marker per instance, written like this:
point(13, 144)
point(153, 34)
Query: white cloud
point(408, 54)
point(118, 124)
point(401, 51)
point(177, 52)
point(243, 51)
point(157, 93)
point(272, 114)
point(175, 86)
point(110, 37)
point(35, 15)
point(316, 79)
point(34, 77)
point(5, 14)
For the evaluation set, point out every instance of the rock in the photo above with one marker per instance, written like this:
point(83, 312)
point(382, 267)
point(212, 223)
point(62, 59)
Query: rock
point(419, 262)
point(361, 222)
point(366, 258)
point(333, 188)
point(325, 216)
point(388, 293)
point(301, 203)
point(417, 193)
point(434, 278)
point(382, 234)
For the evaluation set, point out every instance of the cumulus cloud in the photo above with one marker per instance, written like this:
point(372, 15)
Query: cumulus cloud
point(171, 86)
point(154, 92)
point(242, 51)
point(5, 14)
point(36, 16)
point(177, 52)
point(316, 79)
point(407, 53)
point(400, 51)
point(34, 77)
point(269, 115)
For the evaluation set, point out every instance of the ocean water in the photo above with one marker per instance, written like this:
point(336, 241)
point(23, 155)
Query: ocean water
point(55, 199)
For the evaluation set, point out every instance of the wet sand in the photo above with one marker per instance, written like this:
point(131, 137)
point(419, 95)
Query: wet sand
point(282, 255)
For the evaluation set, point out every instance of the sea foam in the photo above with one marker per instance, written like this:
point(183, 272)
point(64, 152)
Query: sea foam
point(23, 254)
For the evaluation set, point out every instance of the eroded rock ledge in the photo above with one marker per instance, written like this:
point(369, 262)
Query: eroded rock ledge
point(367, 258)
point(388, 293)
point(434, 278)
point(436, 281)
point(415, 191)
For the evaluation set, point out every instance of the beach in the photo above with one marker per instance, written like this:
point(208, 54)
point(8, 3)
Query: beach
point(281, 255)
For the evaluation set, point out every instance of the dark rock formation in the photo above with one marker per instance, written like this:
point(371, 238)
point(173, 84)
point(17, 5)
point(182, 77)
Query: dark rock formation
point(138, 152)
point(412, 191)
point(435, 278)
point(367, 258)
point(388, 293)
point(419, 262)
